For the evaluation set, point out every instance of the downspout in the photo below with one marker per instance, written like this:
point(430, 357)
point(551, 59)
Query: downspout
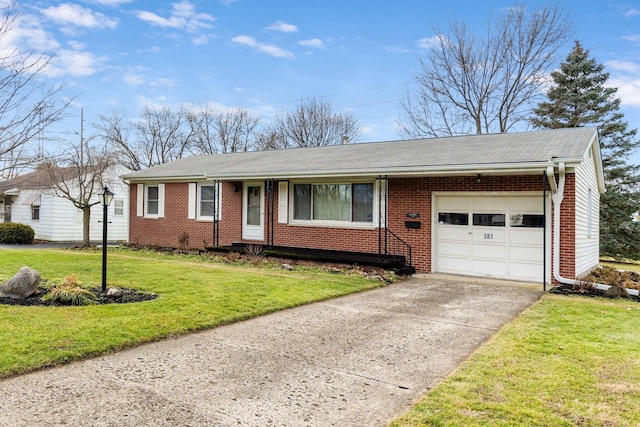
point(557, 195)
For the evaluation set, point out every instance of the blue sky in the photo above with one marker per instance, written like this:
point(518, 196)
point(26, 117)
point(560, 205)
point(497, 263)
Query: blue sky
point(266, 56)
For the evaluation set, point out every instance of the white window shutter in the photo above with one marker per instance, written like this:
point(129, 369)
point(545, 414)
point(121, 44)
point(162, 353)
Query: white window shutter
point(140, 200)
point(160, 200)
point(193, 200)
point(283, 202)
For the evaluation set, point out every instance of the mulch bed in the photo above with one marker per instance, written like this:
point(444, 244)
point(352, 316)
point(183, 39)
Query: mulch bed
point(126, 295)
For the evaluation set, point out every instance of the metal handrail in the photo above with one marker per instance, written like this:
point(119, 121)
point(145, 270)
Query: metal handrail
point(399, 247)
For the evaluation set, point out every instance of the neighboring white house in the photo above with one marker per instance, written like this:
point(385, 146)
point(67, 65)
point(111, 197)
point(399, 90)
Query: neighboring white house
point(30, 199)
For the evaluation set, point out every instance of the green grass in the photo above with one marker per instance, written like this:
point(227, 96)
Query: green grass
point(629, 266)
point(567, 361)
point(195, 293)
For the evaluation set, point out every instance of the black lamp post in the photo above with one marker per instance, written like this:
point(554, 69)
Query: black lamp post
point(105, 197)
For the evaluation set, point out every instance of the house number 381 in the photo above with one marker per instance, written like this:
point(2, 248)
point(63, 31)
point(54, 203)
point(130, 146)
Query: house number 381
point(488, 236)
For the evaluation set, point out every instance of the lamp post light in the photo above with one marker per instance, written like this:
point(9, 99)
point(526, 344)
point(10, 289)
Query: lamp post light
point(105, 197)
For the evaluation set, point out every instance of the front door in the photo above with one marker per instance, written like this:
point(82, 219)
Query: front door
point(253, 212)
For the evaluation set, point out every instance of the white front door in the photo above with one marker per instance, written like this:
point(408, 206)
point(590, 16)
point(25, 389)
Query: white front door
point(253, 211)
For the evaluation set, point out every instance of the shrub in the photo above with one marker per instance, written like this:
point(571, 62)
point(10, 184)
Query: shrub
point(13, 233)
point(69, 293)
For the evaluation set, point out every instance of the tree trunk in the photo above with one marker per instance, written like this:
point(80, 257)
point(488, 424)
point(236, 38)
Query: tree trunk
point(86, 222)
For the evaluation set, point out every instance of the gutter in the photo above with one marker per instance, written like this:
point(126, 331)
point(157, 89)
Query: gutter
point(557, 195)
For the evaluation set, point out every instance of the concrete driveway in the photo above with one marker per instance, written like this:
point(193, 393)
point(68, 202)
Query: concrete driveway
point(358, 360)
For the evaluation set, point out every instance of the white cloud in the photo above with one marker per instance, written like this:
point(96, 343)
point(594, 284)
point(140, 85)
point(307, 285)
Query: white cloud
point(109, 2)
point(262, 47)
point(634, 38)
point(72, 15)
point(632, 12)
point(72, 63)
point(315, 43)
point(429, 42)
point(625, 75)
point(396, 49)
point(183, 16)
point(283, 27)
point(624, 66)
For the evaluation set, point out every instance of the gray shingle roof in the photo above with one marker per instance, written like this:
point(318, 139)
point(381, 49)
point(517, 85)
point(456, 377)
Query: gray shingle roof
point(508, 151)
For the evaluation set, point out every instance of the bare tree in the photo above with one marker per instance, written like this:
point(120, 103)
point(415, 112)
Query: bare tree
point(159, 136)
point(78, 176)
point(471, 84)
point(27, 105)
point(313, 123)
point(226, 131)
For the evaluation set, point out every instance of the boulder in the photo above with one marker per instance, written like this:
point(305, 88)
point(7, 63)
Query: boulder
point(23, 284)
point(616, 291)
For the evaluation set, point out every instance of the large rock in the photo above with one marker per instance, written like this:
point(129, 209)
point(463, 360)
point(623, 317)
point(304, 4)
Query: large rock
point(23, 284)
point(616, 291)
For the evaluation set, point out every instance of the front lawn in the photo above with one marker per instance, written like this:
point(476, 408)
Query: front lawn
point(195, 293)
point(567, 361)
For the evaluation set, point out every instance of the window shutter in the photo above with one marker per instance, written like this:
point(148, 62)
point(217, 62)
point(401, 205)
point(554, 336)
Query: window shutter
point(140, 200)
point(193, 200)
point(160, 200)
point(283, 199)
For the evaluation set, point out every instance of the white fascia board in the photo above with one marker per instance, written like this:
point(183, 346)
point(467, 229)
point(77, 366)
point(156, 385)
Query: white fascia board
point(504, 169)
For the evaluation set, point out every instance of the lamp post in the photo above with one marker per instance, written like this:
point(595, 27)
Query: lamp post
point(105, 197)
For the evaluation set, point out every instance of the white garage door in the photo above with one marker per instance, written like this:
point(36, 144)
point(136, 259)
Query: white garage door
point(494, 236)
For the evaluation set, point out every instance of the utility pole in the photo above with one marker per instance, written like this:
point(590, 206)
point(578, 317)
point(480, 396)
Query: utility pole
point(81, 135)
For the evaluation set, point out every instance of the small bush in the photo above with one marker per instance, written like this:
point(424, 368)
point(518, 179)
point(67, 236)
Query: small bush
point(254, 253)
point(12, 233)
point(69, 293)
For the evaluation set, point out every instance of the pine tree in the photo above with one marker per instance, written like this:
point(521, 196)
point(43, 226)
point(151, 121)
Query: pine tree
point(579, 98)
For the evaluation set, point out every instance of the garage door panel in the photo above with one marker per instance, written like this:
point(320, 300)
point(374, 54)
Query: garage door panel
point(489, 251)
point(512, 248)
point(453, 248)
point(489, 204)
point(489, 267)
point(489, 235)
point(458, 265)
point(526, 236)
point(525, 204)
point(525, 271)
point(453, 232)
point(525, 253)
point(454, 203)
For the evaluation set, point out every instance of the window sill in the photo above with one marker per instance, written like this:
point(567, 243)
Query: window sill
point(330, 224)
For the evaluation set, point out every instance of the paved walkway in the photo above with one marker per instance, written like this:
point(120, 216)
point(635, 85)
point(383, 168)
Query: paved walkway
point(359, 360)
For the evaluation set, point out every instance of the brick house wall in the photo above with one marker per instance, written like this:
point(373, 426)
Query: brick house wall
point(405, 195)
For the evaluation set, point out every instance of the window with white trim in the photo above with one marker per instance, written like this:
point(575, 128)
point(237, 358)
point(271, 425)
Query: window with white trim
point(208, 201)
point(337, 202)
point(204, 200)
point(118, 207)
point(150, 200)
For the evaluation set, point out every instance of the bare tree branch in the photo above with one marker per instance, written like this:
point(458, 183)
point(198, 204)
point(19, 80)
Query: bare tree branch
point(313, 123)
point(27, 105)
point(483, 85)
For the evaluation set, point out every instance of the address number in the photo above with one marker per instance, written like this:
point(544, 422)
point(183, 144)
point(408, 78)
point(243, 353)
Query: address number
point(488, 236)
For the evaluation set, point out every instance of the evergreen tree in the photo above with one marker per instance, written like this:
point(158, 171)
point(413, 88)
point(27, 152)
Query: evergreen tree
point(579, 98)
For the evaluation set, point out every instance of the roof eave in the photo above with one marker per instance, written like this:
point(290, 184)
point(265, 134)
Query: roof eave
point(490, 168)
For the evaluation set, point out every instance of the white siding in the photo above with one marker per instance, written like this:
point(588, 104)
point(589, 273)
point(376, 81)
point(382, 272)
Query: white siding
point(60, 221)
point(587, 221)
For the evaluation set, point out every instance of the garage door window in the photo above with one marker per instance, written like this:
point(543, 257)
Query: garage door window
point(489, 220)
point(453, 218)
point(526, 221)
